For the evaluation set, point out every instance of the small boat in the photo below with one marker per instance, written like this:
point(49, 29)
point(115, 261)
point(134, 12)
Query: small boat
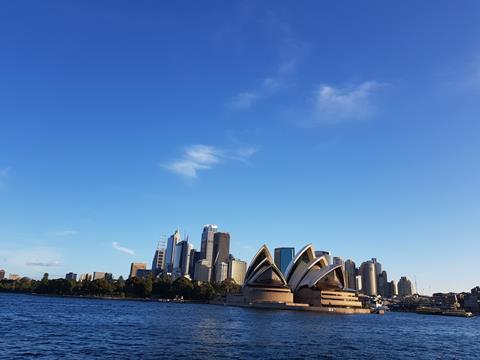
point(460, 313)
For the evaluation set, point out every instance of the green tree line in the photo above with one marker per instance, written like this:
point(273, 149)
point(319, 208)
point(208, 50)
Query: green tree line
point(163, 287)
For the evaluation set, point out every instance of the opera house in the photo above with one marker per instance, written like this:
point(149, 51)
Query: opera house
point(309, 283)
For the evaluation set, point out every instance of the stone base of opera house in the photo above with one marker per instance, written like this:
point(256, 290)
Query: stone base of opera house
point(337, 303)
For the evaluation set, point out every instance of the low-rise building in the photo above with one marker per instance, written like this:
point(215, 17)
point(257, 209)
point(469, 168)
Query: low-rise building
point(134, 267)
point(237, 270)
point(71, 276)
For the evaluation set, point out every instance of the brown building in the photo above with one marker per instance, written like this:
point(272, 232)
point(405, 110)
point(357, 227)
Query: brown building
point(134, 267)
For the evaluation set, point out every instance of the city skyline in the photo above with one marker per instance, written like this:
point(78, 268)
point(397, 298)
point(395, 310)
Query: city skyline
point(352, 128)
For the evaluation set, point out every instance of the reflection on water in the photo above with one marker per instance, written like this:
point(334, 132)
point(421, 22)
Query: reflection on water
point(34, 326)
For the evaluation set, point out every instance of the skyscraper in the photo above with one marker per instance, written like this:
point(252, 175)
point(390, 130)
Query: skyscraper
point(134, 267)
point(283, 256)
point(350, 273)
point(369, 278)
point(158, 263)
point(237, 270)
point(194, 257)
point(391, 289)
point(221, 250)
point(327, 254)
point(405, 287)
point(338, 261)
point(170, 253)
point(181, 263)
point(206, 247)
point(2, 274)
point(203, 270)
point(382, 281)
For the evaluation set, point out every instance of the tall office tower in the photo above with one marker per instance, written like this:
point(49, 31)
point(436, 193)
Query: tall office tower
point(378, 271)
point(405, 287)
point(203, 270)
point(181, 263)
point(358, 283)
point(338, 261)
point(158, 263)
point(350, 273)
point(327, 254)
point(71, 276)
point(194, 257)
point(283, 256)
point(221, 250)
point(2, 274)
point(170, 253)
point(237, 270)
point(382, 281)
point(221, 272)
point(369, 278)
point(134, 267)
point(206, 247)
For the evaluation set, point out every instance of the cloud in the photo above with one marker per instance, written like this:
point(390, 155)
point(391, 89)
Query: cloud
point(43, 264)
point(334, 105)
point(66, 233)
point(125, 250)
point(29, 259)
point(204, 157)
point(291, 52)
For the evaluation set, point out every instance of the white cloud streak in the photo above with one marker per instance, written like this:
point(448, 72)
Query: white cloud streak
point(122, 249)
point(333, 105)
point(291, 49)
point(43, 264)
point(204, 157)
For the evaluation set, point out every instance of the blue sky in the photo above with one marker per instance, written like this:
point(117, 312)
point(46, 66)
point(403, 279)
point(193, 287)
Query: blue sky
point(353, 126)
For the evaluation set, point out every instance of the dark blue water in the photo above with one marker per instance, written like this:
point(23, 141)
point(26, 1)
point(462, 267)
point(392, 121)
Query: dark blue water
point(47, 327)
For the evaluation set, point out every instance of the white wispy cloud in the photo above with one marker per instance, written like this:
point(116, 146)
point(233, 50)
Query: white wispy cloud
point(204, 157)
point(291, 52)
point(333, 105)
point(66, 232)
point(43, 264)
point(125, 250)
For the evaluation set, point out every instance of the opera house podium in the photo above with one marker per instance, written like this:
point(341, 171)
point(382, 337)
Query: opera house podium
point(309, 283)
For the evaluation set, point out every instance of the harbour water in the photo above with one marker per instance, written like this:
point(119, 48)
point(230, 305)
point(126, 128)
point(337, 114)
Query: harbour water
point(72, 328)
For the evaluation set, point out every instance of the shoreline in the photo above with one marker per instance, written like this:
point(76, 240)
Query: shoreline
point(113, 298)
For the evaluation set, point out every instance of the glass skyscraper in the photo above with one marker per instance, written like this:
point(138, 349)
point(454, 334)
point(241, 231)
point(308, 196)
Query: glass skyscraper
point(283, 256)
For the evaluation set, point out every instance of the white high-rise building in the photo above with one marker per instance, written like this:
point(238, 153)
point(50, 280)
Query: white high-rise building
point(181, 263)
point(170, 253)
point(203, 270)
point(221, 272)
